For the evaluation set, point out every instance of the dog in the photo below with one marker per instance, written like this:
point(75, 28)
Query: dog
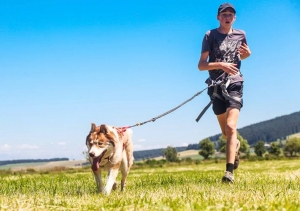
point(110, 148)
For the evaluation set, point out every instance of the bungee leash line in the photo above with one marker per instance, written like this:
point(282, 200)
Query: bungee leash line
point(164, 114)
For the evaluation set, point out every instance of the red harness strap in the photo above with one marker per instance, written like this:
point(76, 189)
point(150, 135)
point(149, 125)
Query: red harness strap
point(121, 131)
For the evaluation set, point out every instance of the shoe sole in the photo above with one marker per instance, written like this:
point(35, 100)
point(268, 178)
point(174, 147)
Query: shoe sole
point(227, 180)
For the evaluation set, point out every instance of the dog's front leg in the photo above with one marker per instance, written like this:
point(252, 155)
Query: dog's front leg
point(98, 180)
point(112, 175)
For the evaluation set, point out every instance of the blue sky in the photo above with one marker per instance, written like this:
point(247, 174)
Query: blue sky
point(66, 64)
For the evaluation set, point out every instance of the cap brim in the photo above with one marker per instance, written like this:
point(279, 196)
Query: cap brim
point(223, 9)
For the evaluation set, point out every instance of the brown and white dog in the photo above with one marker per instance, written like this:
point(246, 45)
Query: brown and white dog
point(110, 149)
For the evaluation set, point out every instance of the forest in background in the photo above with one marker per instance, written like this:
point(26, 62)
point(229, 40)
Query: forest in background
point(268, 131)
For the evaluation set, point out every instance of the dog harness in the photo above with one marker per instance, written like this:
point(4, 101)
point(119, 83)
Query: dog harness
point(225, 96)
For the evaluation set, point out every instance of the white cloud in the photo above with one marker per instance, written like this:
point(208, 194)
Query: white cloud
point(27, 146)
point(5, 147)
point(141, 140)
point(184, 144)
point(62, 143)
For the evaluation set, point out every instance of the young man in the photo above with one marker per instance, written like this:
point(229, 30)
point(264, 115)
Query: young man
point(223, 49)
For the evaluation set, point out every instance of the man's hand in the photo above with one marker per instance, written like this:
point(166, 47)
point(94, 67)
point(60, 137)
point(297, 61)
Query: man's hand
point(244, 51)
point(229, 68)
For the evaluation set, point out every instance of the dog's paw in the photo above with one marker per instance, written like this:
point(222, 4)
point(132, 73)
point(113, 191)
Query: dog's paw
point(114, 187)
point(106, 192)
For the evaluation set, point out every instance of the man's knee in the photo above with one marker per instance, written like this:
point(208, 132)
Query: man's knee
point(230, 128)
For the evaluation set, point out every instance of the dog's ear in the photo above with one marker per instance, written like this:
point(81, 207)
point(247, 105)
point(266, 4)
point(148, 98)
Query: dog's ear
point(103, 129)
point(93, 127)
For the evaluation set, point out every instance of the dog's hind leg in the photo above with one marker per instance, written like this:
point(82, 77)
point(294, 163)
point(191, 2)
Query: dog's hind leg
point(123, 180)
point(128, 145)
point(98, 180)
point(124, 171)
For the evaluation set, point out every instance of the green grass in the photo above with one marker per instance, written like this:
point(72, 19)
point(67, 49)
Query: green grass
point(261, 185)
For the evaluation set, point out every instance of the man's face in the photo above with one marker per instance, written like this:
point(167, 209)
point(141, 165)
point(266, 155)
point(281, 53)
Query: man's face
point(227, 17)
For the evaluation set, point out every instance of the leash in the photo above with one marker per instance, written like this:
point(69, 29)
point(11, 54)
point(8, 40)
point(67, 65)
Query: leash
point(164, 114)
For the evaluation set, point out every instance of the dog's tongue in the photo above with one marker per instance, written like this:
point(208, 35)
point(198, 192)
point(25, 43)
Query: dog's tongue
point(95, 165)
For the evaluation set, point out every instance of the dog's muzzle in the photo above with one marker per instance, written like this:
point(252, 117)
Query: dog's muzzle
point(97, 160)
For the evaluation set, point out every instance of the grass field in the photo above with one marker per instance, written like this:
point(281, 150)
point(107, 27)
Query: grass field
point(43, 165)
point(260, 185)
point(22, 165)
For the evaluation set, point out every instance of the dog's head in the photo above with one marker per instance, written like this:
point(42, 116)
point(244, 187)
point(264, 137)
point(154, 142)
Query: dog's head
point(100, 143)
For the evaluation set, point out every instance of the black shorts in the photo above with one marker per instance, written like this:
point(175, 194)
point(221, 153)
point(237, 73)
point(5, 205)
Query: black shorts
point(234, 90)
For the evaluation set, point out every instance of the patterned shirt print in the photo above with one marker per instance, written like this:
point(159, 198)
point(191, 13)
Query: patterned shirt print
point(223, 48)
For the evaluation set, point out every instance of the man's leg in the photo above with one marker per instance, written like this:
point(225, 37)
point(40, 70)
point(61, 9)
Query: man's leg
point(222, 123)
point(232, 115)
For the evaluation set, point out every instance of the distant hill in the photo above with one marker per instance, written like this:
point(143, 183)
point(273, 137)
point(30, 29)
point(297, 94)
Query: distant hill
point(270, 130)
point(7, 162)
point(267, 131)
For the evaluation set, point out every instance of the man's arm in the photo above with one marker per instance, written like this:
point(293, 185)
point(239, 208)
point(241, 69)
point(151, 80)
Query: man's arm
point(203, 64)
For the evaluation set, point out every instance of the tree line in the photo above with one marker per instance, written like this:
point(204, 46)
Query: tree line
point(207, 148)
point(148, 154)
